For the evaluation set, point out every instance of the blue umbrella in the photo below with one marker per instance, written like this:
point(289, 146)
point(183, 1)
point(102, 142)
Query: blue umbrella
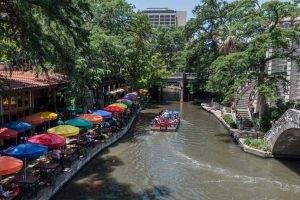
point(19, 126)
point(25, 151)
point(103, 114)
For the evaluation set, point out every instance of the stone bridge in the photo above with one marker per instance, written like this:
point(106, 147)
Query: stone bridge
point(181, 80)
point(284, 136)
point(179, 77)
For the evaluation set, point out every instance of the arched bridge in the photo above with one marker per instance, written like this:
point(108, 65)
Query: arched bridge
point(284, 136)
point(181, 79)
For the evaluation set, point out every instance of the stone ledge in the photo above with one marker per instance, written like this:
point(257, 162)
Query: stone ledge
point(253, 151)
point(236, 134)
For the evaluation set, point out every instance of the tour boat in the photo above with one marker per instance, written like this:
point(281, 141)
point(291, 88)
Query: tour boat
point(167, 120)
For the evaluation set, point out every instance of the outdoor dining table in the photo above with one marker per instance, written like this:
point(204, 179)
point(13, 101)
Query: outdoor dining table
point(70, 155)
point(30, 181)
point(52, 167)
point(48, 170)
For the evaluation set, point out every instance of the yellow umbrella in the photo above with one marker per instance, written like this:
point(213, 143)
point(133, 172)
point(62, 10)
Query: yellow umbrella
point(122, 105)
point(64, 130)
point(48, 116)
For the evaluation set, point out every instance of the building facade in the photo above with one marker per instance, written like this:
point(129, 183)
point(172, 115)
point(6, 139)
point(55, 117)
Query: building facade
point(23, 93)
point(166, 17)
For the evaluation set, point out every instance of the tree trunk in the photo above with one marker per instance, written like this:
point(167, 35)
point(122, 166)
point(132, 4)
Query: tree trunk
point(262, 100)
point(262, 105)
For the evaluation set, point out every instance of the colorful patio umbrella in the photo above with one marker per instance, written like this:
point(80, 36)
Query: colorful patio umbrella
point(95, 119)
point(103, 113)
point(48, 116)
point(122, 105)
point(80, 123)
point(19, 126)
point(7, 133)
point(114, 109)
point(131, 96)
point(125, 101)
point(64, 130)
point(34, 120)
point(49, 140)
point(26, 151)
point(9, 165)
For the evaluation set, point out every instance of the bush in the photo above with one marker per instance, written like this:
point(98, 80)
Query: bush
point(273, 114)
point(229, 120)
point(260, 144)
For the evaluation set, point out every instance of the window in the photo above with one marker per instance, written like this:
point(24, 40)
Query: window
point(5, 103)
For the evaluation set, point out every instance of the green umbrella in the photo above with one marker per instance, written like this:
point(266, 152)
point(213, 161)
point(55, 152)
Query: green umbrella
point(80, 123)
point(125, 101)
point(122, 105)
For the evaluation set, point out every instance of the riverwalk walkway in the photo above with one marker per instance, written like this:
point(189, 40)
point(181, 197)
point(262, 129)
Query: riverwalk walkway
point(60, 181)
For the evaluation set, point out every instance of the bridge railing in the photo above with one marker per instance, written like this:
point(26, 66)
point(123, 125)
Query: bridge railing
point(179, 75)
point(290, 119)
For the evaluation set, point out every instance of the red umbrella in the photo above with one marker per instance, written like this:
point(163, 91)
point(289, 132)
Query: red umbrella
point(34, 120)
point(95, 119)
point(7, 133)
point(52, 141)
point(115, 109)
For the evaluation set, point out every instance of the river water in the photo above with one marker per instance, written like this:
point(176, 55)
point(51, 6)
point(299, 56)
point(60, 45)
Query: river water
point(200, 161)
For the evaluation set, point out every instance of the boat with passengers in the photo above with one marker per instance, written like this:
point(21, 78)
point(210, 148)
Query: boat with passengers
point(167, 120)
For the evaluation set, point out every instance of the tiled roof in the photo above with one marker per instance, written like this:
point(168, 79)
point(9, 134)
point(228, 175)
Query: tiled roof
point(17, 80)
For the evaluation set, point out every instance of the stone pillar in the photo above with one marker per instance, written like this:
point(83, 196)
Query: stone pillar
point(183, 96)
point(161, 93)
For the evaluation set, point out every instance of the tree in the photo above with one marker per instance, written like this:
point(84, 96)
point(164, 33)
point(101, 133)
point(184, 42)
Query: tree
point(170, 43)
point(205, 35)
point(42, 33)
point(263, 39)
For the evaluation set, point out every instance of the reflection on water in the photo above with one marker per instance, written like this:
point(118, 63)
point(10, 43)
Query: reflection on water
point(200, 161)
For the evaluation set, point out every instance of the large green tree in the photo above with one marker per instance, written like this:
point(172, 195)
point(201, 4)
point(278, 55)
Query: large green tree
point(42, 33)
point(262, 37)
point(205, 37)
point(170, 43)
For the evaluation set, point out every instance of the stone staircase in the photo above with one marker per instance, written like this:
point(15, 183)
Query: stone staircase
point(242, 108)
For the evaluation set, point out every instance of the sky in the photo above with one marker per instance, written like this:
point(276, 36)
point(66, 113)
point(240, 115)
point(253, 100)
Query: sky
point(186, 5)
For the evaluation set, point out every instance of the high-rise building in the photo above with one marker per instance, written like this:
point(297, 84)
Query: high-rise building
point(166, 17)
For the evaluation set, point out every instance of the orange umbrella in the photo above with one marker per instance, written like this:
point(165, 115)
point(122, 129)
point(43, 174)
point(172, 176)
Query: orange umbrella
point(9, 165)
point(7, 133)
point(115, 109)
point(95, 119)
point(34, 120)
